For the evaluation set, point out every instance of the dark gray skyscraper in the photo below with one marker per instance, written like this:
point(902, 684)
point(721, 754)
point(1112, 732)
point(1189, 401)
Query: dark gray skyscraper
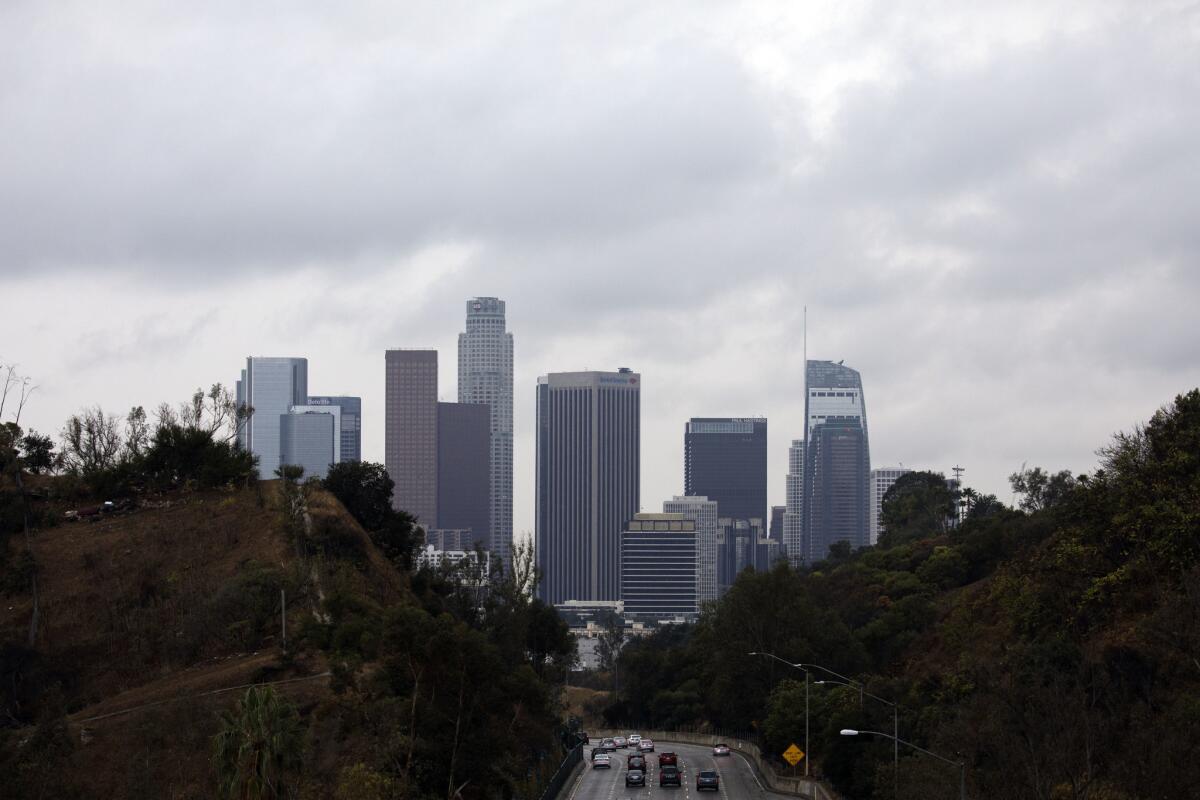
point(485, 375)
point(464, 445)
point(351, 433)
point(410, 418)
point(837, 460)
point(725, 459)
point(588, 478)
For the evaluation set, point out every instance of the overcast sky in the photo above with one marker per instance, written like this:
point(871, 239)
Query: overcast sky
point(993, 215)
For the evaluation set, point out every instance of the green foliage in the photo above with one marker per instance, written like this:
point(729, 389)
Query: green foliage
point(365, 489)
point(191, 456)
point(1040, 490)
point(916, 506)
point(361, 783)
point(258, 747)
point(37, 452)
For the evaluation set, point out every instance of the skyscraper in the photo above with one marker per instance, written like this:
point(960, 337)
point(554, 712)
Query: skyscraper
point(837, 460)
point(271, 386)
point(703, 512)
point(485, 375)
point(658, 566)
point(308, 439)
point(793, 515)
point(588, 478)
point(775, 528)
point(881, 480)
point(463, 485)
point(410, 431)
point(350, 442)
point(725, 459)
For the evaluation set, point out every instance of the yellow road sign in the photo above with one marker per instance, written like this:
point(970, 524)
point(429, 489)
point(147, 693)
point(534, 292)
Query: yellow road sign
point(793, 755)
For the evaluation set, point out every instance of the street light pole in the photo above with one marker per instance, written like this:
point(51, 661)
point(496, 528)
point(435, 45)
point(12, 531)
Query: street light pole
point(806, 750)
point(895, 728)
point(962, 765)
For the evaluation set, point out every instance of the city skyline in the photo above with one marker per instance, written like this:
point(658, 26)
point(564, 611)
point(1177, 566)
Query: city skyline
point(961, 207)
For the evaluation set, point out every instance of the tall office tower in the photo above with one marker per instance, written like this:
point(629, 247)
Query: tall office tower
point(793, 515)
point(658, 566)
point(410, 431)
point(703, 512)
point(741, 543)
point(775, 529)
point(308, 439)
point(485, 375)
point(881, 480)
point(588, 478)
point(726, 460)
point(350, 438)
point(463, 472)
point(271, 386)
point(837, 460)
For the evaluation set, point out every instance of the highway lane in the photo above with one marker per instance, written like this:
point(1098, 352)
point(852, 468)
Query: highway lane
point(738, 781)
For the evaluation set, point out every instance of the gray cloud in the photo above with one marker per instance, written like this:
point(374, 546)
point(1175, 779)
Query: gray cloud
point(991, 213)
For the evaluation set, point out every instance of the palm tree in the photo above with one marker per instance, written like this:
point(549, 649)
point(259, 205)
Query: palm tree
point(257, 745)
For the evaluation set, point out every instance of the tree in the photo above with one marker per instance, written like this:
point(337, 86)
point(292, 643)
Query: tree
point(256, 747)
point(1039, 489)
point(365, 489)
point(91, 441)
point(608, 645)
point(37, 452)
point(918, 505)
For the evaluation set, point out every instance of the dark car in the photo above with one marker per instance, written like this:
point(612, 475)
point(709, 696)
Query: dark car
point(583, 737)
point(670, 776)
point(708, 780)
point(667, 758)
point(636, 762)
point(635, 777)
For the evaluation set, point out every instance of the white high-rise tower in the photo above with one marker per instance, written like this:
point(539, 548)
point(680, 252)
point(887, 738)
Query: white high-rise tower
point(485, 375)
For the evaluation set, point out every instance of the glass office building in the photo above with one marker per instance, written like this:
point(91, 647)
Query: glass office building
point(658, 566)
point(703, 512)
point(271, 386)
point(309, 439)
point(350, 436)
point(725, 459)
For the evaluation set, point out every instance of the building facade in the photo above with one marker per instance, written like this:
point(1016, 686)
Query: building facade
point(464, 471)
point(881, 480)
point(703, 512)
point(837, 460)
point(410, 431)
point(350, 412)
point(658, 566)
point(588, 477)
point(271, 386)
point(742, 544)
point(775, 528)
point(309, 439)
point(485, 375)
point(793, 514)
point(725, 459)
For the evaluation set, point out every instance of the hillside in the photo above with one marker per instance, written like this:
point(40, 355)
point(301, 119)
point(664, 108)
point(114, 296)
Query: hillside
point(156, 618)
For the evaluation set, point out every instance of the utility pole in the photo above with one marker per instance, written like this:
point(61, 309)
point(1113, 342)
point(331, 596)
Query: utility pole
point(283, 615)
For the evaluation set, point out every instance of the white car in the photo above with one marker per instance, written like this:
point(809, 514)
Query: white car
point(602, 760)
point(634, 739)
point(619, 741)
point(721, 750)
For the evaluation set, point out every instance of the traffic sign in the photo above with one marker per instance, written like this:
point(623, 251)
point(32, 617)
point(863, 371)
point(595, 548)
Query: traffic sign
point(793, 755)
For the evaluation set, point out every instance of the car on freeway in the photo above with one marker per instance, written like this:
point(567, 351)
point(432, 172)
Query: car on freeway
point(607, 742)
point(636, 762)
point(645, 746)
point(667, 758)
point(601, 750)
point(619, 741)
point(635, 777)
point(634, 739)
point(601, 760)
point(721, 749)
point(670, 776)
point(707, 780)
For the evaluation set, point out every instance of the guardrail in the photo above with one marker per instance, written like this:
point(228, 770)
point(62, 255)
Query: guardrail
point(808, 788)
point(564, 771)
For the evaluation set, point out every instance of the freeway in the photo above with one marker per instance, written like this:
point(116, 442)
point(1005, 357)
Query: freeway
point(738, 781)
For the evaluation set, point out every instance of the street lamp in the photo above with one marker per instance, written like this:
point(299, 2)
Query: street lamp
point(807, 752)
point(962, 765)
point(895, 726)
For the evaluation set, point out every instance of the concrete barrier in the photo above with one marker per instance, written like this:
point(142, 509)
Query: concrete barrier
point(808, 788)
